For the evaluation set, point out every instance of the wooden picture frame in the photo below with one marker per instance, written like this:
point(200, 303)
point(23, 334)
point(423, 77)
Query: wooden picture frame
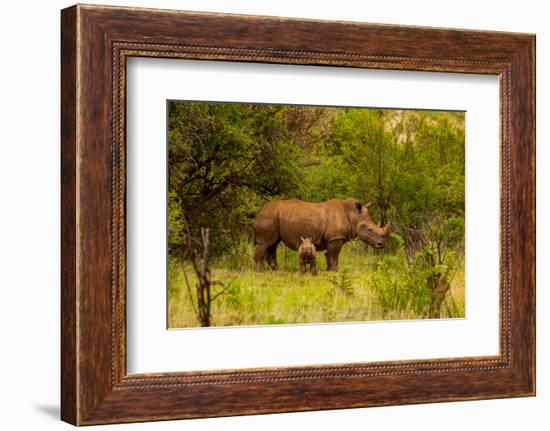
point(95, 43)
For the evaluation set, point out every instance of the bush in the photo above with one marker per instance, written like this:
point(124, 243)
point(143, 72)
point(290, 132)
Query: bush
point(419, 287)
point(343, 283)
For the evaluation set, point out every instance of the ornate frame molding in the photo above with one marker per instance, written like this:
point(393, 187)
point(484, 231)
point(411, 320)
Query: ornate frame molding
point(96, 41)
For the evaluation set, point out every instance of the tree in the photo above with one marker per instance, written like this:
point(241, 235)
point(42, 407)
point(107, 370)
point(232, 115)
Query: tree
point(223, 159)
point(199, 255)
point(372, 153)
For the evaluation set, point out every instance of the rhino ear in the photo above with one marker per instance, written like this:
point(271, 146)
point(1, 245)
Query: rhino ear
point(366, 208)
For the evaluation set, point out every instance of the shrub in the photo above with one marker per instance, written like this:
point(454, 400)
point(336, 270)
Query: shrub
point(343, 283)
point(419, 287)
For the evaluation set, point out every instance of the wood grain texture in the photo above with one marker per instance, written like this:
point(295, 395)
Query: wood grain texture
point(69, 366)
point(96, 41)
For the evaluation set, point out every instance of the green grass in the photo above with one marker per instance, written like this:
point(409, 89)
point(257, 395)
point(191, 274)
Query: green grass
point(286, 297)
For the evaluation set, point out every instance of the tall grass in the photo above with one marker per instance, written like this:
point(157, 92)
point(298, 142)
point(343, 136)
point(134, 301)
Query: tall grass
point(286, 297)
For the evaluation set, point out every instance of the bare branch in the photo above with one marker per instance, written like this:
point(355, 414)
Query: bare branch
point(188, 286)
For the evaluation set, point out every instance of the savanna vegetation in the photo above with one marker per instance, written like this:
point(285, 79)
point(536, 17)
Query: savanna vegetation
point(227, 160)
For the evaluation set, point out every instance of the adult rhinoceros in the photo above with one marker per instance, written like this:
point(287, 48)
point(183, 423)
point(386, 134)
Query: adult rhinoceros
point(331, 224)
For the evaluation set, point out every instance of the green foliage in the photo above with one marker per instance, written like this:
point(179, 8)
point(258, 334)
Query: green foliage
point(343, 282)
point(224, 160)
point(328, 179)
point(408, 163)
point(286, 297)
point(376, 160)
point(394, 287)
point(227, 160)
point(419, 285)
point(394, 244)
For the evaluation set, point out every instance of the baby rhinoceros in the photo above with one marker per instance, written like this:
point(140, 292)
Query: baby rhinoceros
point(307, 256)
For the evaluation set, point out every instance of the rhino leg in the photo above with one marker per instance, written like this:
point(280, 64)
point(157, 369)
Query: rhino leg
point(272, 256)
point(333, 251)
point(313, 266)
point(259, 255)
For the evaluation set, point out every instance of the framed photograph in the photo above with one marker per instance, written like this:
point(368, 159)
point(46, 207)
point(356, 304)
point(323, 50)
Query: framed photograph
point(264, 214)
